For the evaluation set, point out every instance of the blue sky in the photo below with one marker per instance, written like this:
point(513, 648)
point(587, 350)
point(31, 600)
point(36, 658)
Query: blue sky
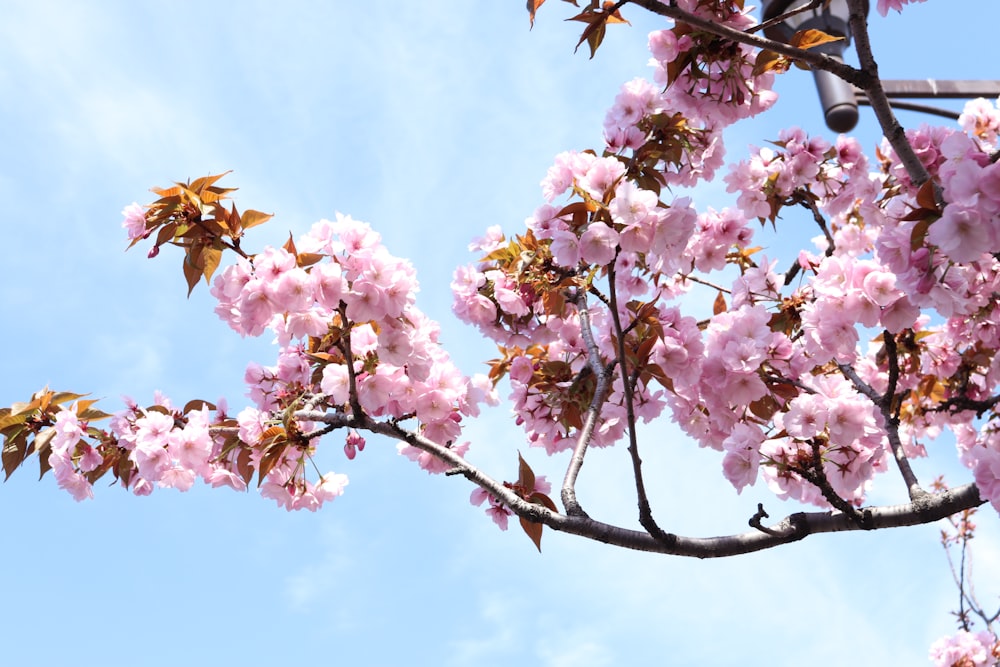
point(432, 121)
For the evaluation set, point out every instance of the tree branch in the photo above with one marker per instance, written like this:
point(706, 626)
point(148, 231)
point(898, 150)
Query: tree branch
point(645, 513)
point(890, 415)
point(792, 528)
point(604, 374)
point(885, 404)
point(879, 101)
point(818, 60)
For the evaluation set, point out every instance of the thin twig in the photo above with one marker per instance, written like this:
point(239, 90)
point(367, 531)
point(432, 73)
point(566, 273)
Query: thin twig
point(645, 513)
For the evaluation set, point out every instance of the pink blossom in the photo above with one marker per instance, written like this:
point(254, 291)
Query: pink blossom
point(601, 176)
point(192, 446)
point(426, 460)
point(568, 166)
point(68, 429)
point(77, 485)
point(329, 284)
point(807, 415)
point(598, 244)
point(987, 474)
point(153, 428)
point(492, 240)
point(964, 649)
point(135, 221)
point(884, 6)
point(499, 513)
point(255, 309)
point(664, 46)
point(496, 510)
point(880, 287)
point(742, 456)
point(960, 233)
point(366, 301)
point(331, 485)
point(251, 423)
point(565, 248)
point(177, 477)
point(223, 477)
point(292, 291)
point(847, 419)
point(140, 486)
point(90, 458)
point(336, 383)
point(433, 406)
point(152, 460)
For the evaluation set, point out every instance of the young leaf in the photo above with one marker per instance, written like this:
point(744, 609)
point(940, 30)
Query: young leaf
point(533, 6)
point(769, 61)
point(534, 531)
point(926, 196)
point(271, 457)
point(253, 218)
point(807, 39)
point(15, 449)
point(720, 304)
point(525, 475)
point(597, 22)
point(192, 273)
point(210, 259)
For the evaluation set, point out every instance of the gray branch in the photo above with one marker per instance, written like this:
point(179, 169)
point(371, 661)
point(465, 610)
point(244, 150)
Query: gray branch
point(604, 375)
point(792, 528)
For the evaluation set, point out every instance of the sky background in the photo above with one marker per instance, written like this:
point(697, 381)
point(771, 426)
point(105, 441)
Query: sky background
point(432, 121)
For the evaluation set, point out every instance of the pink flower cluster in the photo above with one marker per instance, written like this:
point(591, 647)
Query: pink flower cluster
point(762, 381)
point(718, 86)
point(884, 6)
point(162, 446)
point(71, 456)
point(386, 355)
point(397, 366)
point(965, 649)
point(350, 338)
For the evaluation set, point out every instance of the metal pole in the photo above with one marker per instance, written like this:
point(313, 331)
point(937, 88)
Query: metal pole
point(936, 88)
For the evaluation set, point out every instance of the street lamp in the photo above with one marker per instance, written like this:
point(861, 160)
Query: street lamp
point(839, 99)
point(840, 107)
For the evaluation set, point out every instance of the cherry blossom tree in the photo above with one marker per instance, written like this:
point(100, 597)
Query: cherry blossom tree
point(816, 374)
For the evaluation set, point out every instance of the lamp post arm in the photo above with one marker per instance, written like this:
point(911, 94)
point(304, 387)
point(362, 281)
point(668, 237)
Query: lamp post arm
point(877, 98)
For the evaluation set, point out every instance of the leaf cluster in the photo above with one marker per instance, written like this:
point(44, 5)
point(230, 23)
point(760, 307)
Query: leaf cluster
point(193, 216)
point(26, 428)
